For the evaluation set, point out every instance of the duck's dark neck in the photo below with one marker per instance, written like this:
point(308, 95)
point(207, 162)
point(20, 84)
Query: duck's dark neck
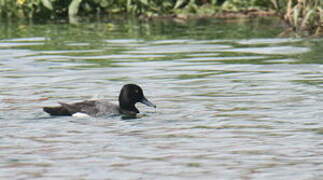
point(126, 104)
point(128, 108)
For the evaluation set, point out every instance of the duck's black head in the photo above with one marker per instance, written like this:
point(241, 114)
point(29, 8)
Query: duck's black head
point(130, 94)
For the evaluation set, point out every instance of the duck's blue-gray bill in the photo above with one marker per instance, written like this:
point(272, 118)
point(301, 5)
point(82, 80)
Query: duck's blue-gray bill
point(147, 103)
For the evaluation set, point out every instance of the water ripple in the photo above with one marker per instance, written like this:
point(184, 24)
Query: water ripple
point(232, 109)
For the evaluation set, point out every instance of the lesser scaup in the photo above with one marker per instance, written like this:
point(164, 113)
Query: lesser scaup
point(129, 95)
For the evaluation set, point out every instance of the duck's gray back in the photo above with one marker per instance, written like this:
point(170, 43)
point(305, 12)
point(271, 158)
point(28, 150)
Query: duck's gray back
point(92, 107)
point(104, 107)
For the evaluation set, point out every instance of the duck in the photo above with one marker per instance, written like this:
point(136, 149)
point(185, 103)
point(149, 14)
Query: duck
point(130, 94)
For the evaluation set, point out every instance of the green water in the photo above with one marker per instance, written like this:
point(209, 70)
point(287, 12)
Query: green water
point(235, 100)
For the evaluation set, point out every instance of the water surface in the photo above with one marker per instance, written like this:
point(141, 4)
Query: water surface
point(235, 101)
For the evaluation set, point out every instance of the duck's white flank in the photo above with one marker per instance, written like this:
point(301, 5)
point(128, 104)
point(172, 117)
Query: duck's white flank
point(80, 115)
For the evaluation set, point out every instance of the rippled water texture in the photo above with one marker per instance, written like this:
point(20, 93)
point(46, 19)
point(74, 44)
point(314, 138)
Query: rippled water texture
point(234, 101)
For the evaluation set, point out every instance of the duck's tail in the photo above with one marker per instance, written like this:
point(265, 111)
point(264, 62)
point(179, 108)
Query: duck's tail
point(57, 111)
